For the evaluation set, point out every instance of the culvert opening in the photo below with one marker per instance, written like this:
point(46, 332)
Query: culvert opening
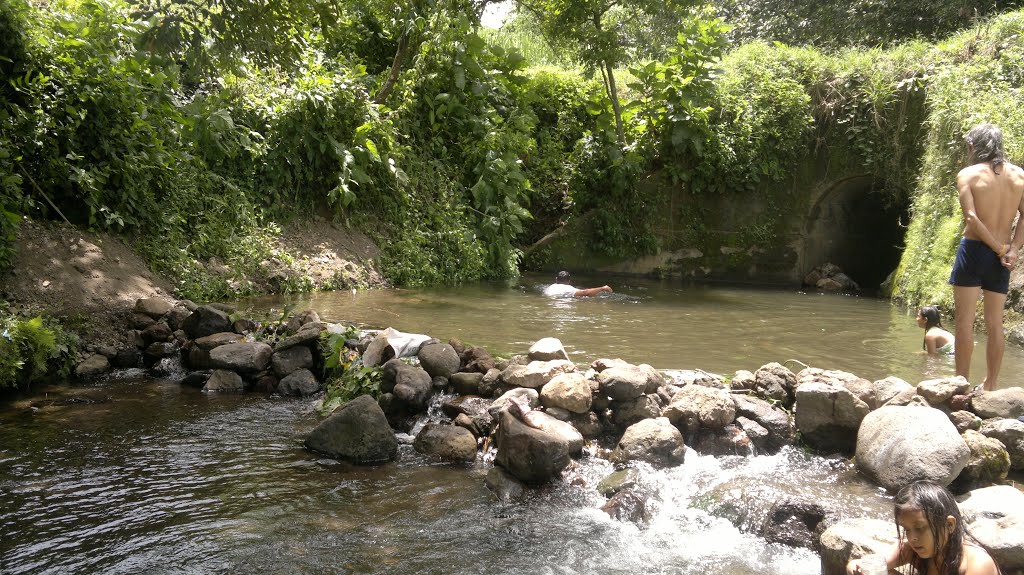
point(858, 226)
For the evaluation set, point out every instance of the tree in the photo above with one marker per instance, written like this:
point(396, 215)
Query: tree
point(595, 31)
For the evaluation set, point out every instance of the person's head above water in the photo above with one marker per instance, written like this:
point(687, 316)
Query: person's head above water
point(930, 524)
point(562, 277)
point(931, 316)
point(985, 143)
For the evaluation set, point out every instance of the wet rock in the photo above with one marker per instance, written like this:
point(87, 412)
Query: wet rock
point(266, 382)
point(504, 486)
point(245, 357)
point(93, 365)
point(778, 422)
point(828, 416)
point(290, 360)
point(618, 481)
point(467, 383)
point(223, 380)
point(899, 445)
point(157, 351)
point(1011, 433)
point(243, 326)
point(995, 518)
point(964, 420)
point(886, 389)
point(547, 349)
point(629, 505)
point(413, 388)
point(989, 463)
point(206, 320)
point(626, 413)
point(654, 441)
point(197, 379)
point(852, 539)
point(1002, 403)
point(439, 383)
point(153, 307)
point(798, 523)
point(535, 456)
point(196, 357)
point(477, 359)
point(159, 331)
point(490, 382)
point(466, 422)
point(602, 364)
point(176, 318)
point(127, 358)
point(569, 391)
point(730, 440)
point(299, 382)
point(588, 424)
point(446, 442)
point(473, 408)
point(357, 431)
point(439, 359)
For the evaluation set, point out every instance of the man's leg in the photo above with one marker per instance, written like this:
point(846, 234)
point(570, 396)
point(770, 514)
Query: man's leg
point(965, 302)
point(995, 302)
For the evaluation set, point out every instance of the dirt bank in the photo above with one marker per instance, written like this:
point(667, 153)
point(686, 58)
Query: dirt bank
point(92, 280)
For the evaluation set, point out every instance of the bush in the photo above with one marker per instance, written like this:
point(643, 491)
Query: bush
point(33, 349)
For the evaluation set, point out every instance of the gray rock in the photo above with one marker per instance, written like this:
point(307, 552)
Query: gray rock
point(218, 339)
point(504, 486)
point(159, 331)
point(964, 420)
point(413, 388)
point(569, 391)
point(534, 456)
point(710, 407)
point(197, 379)
point(467, 383)
point(778, 422)
point(547, 349)
point(775, 381)
point(156, 351)
point(490, 382)
point(654, 441)
point(852, 539)
point(629, 505)
point(863, 389)
point(995, 517)
point(588, 424)
point(535, 374)
point(153, 307)
point(989, 463)
point(742, 380)
point(307, 334)
point(888, 388)
point(1002, 403)
point(828, 416)
point(206, 320)
point(299, 382)
point(357, 431)
point(300, 319)
point(899, 445)
point(447, 442)
point(624, 382)
point(439, 359)
point(223, 380)
point(141, 321)
point(530, 395)
point(176, 318)
point(729, 440)
point(245, 357)
point(619, 480)
point(939, 391)
point(626, 413)
point(125, 358)
point(475, 409)
point(290, 360)
point(93, 365)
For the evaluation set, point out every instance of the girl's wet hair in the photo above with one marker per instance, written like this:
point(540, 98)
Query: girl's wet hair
point(986, 141)
point(937, 503)
point(932, 319)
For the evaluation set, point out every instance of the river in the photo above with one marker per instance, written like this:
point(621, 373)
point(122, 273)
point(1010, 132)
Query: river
point(140, 475)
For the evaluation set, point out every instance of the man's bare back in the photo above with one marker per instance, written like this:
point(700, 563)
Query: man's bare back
point(995, 198)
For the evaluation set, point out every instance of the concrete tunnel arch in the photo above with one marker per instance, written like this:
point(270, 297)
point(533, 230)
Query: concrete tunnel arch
point(856, 224)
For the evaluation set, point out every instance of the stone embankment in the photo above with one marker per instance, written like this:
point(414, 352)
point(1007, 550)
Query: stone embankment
point(538, 411)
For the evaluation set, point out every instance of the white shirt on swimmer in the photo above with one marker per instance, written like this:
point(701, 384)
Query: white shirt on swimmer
point(559, 290)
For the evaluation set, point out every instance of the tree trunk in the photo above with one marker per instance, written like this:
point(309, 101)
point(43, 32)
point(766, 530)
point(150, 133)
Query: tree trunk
point(613, 95)
point(396, 67)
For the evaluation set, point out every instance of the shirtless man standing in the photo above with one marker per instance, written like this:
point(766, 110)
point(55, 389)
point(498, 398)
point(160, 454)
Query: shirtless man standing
point(991, 195)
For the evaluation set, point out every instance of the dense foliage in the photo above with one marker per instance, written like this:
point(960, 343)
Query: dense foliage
point(33, 348)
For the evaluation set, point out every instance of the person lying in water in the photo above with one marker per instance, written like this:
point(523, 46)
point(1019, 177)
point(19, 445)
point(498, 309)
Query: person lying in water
point(937, 341)
point(932, 538)
point(563, 287)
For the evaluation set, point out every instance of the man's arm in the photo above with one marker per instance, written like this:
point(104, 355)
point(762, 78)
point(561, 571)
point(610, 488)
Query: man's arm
point(1011, 257)
point(591, 291)
point(975, 226)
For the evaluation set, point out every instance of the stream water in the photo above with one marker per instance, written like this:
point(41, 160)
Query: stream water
point(141, 475)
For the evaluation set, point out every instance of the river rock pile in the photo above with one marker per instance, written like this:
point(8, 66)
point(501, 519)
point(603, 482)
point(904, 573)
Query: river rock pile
point(539, 410)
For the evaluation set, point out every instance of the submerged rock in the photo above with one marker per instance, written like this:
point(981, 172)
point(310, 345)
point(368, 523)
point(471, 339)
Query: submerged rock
point(449, 443)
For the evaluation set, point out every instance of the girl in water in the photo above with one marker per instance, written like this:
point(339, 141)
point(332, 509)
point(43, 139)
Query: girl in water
point(932, 537)
point(937, 341)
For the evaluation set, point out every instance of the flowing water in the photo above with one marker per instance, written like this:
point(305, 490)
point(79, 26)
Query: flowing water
point(142, 475)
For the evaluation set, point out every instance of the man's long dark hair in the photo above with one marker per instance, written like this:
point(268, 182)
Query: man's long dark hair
point(986, 143)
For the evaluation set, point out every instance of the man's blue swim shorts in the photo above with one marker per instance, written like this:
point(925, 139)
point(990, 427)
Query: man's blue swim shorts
point(977, 265)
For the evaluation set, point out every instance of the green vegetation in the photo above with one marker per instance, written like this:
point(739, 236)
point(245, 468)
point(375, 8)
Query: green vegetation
point(346, 376)
point(31, 349)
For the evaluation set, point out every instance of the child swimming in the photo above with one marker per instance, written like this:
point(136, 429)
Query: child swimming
point(937, 341)
point(931, 536)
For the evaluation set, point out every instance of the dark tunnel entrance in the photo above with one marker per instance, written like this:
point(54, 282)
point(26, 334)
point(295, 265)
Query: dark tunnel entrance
point(860, 228)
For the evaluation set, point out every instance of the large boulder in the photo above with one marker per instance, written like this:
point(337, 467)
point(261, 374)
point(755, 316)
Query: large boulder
point(211, 341)
point(223, 380)
point(1002, 403)
point(897, 445)
point(1010, 432)
point(531, 397)
point(628, 412)
point(995, 518)
point(439, 359)
point(852, 539)
point(654, 441)
point(503, 485)
point(863, 389)
point(570, 391)
point(535, 455)
point(536, 373)
point(291, 360)
point(828, 416)
point(546, 349)
point(777, 421)
point(206, 320)
point(244, 357)
point(357, 431)
point(775, 381)
point(299, 382)
point(446, 442)
point(413, 388)
point(626, 382)
point(93, 365)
